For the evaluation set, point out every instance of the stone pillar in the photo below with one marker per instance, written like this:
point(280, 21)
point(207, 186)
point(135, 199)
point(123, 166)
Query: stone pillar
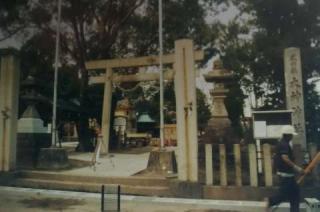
point(253, 165)
point(9, 89)
point(223, 165)
point(267, 164)
point(106, 112)
point(237, 164)
point(209, 165)
point(294, 93)
point(186, 107)
point(31, 137)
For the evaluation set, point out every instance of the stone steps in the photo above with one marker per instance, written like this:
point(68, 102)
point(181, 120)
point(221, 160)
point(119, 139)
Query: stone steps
point(88, 187)
point(132, 180)
point(129, 185)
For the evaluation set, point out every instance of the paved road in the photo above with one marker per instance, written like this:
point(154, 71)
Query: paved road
point(38, 200)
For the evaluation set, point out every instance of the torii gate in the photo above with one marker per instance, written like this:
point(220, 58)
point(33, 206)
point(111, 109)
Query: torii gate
point(183, 61)
point(9, 101)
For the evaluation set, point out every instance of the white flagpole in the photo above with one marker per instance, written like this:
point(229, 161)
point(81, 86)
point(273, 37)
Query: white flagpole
point(161, 75)
point(56, 64)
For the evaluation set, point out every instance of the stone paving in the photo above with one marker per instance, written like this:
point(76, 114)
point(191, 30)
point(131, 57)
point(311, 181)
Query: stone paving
point(38, 200)
point(113, 164)
point(124, 165)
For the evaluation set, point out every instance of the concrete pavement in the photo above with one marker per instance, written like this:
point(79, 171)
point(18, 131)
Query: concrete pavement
point(113, 164)
point(37, 200)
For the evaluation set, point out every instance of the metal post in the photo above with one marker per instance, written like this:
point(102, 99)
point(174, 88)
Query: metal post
point(54, 112)
point(3, 159)
point(119, 191)
point(102, 198)
point(259, 156)
point(161, 77)
point(4, 135)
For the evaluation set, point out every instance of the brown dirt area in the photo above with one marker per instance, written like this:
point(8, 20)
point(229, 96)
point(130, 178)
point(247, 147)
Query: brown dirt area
point(52, 203)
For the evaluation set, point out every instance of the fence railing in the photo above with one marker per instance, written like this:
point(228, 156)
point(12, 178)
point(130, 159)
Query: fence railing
point(237, 166)
point(239, 160)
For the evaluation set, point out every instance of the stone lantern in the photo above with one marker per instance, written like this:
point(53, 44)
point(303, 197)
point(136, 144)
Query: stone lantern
point(32, 134)
point(31, 122)
point(219, 128)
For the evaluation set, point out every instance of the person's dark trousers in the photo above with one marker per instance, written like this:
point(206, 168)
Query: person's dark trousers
point(288, 191)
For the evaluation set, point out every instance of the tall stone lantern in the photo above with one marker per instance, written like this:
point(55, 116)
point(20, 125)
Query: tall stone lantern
point(219, 128)
point(32, 134)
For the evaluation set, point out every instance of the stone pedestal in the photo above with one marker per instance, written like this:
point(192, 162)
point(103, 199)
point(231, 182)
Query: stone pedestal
point(31, 125)
point(32, 136)
point(30, 122)
point(186, 189)
point(162, 162)
point(53, 159)
point(28, 148)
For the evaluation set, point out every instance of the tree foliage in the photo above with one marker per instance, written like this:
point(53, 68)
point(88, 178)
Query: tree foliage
point(258, 56)
point(98, 29)
point(101, 29)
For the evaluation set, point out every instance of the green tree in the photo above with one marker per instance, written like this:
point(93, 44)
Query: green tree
point(36, 60)
point(273, 26)
point(103, 29)
point(89, 30)
point(12, 18)
point(203, 110)
point(234, 105)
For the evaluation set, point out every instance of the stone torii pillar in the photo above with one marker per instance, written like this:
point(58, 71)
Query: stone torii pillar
point(186, 109)
point(106, 111)
point(9, 93)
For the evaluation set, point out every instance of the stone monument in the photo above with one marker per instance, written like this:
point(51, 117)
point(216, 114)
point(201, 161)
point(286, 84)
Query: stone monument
point(295, 101)
point(294, 93)
point(219, 128)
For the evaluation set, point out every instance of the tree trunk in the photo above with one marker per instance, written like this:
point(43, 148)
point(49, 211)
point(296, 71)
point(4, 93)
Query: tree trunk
point(85, 143)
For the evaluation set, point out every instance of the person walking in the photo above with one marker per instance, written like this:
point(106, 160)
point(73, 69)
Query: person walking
point(286, 168)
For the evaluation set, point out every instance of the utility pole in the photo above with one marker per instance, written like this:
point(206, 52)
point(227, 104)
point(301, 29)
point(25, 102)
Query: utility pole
point(161, 75)
point(55, 86)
